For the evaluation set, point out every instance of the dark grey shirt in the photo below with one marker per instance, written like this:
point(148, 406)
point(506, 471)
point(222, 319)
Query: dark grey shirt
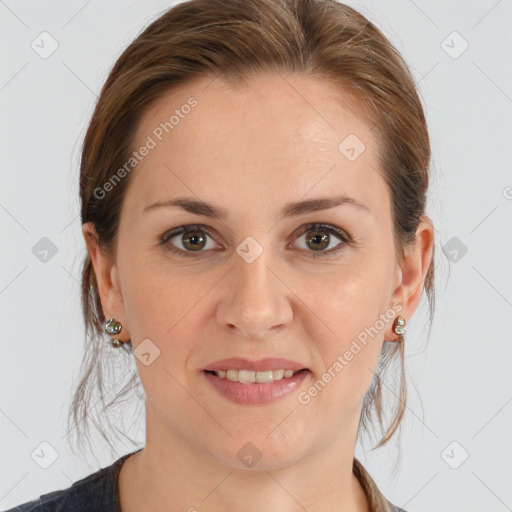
point(99, 492)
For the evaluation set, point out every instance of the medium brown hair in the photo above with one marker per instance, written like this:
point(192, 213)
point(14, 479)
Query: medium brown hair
point(234, 40)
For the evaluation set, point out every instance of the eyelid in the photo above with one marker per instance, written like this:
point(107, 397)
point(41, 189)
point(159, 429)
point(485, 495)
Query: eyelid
point(340, 233)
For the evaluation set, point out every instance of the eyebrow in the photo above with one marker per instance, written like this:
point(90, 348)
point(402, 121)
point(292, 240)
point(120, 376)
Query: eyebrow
point(294, 209)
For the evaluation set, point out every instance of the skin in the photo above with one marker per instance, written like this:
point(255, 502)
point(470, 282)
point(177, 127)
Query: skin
point(252, 149)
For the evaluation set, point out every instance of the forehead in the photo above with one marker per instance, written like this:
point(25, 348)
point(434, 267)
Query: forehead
point(273, 141)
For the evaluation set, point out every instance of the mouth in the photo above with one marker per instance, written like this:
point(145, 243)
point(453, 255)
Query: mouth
point(270, 381)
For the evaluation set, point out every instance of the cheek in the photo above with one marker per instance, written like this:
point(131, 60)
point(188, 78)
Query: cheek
point(354, 310)
point(170, 307)
point(158, 301)
point(161, 308)
point(351, 300)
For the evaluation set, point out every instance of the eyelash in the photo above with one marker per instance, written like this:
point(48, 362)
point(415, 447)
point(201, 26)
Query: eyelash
point(343, 236)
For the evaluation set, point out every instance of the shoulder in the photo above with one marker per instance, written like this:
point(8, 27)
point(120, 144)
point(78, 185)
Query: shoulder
point(94, 493)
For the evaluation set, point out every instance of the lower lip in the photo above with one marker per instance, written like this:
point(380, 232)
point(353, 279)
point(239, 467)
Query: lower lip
point(256, 393)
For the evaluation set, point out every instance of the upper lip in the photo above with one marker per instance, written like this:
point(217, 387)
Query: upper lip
point(270, 363)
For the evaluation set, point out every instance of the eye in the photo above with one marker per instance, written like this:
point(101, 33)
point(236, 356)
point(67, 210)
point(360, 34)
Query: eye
point(194, 240)
point(320, 238)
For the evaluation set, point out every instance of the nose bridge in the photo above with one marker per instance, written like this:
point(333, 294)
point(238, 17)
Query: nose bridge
point(255, 302)
point(252, 269)
point(254, 282)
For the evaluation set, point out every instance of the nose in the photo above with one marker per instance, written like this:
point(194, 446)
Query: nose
point(256, 301)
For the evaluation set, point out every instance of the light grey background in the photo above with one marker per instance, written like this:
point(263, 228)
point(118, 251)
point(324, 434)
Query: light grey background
point(460, 384)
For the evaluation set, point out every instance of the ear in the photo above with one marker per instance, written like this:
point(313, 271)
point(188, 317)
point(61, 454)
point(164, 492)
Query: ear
point(108, 280)
point(411, 275)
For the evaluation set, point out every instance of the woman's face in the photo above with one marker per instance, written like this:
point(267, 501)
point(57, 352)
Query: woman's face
point(247, 284)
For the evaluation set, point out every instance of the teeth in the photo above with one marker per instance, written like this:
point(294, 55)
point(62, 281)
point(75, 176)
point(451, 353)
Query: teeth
point(278, 374)
point(250, 376)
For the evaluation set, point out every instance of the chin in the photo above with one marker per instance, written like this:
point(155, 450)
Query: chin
point(258, 451)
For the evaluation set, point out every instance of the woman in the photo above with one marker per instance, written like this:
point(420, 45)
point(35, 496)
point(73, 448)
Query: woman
point(253, 186)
